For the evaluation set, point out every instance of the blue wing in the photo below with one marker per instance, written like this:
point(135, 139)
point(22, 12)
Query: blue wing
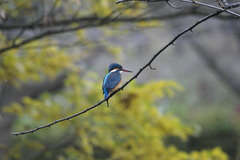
point(110, 81)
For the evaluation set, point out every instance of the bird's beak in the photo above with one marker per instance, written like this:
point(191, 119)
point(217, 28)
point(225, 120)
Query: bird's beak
point(125, 70)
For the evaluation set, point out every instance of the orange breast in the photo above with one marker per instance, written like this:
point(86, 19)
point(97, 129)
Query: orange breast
point(117, 86)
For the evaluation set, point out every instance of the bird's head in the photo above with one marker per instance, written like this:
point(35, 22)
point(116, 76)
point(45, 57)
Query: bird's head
point(116, 66)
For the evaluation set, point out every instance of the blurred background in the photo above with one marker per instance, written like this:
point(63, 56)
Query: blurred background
point(54, 55)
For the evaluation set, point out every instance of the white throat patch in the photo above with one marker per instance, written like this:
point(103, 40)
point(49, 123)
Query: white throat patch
point(115, 70)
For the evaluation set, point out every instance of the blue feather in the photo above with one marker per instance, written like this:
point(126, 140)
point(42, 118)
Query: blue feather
point(110, 81)
point(105, 92)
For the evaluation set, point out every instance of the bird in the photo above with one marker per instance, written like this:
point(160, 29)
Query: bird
point(113, 80)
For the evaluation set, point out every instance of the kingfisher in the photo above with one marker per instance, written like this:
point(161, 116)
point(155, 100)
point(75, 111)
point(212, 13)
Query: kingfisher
point(113, 80)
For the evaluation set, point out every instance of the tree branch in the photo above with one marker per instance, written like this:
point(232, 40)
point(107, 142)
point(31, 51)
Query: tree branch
point(212, 6)
point(121, 1)
point(88, 19)
point(39, 23)
point(47, 33)
point(227, 6)
point(63, 26)
point(90, 23)
point(167, 1)
point(189, 29)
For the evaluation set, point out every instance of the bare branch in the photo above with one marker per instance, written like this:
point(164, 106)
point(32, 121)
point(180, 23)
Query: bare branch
point(88, 19)
point(148, 1)
point(46, 33)
point(150, 66)
point(219, 3)
point(121, 1)
point(57, 121)
point(233, 5)
point(167, 1)
point(130, 80)
point(76, 20)
point(190, 1)
point(171, 5)
point(90, 22)
point(214, 7)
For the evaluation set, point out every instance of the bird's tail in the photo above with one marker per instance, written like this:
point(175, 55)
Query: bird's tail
point(107, 104)
point(105, 95)
point(105, 92)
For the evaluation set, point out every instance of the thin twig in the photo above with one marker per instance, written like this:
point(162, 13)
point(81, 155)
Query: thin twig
point(188, 1)
point(52, 32)
point(219, 3)
point(67, 22)
point(130, 80)
point(213, 7)
point(90, 23)
point(150, 66)
point(148, 1)
point(171, 5)
point(121, 1)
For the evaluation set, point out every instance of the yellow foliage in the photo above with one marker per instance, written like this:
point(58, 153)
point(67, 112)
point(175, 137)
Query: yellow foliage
point(103, 8)
point(33, 64)
point(215, 154)
point(115, 50)
point(100, 8)
point(148, 24)
point(132, 128)
point(14, 109)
